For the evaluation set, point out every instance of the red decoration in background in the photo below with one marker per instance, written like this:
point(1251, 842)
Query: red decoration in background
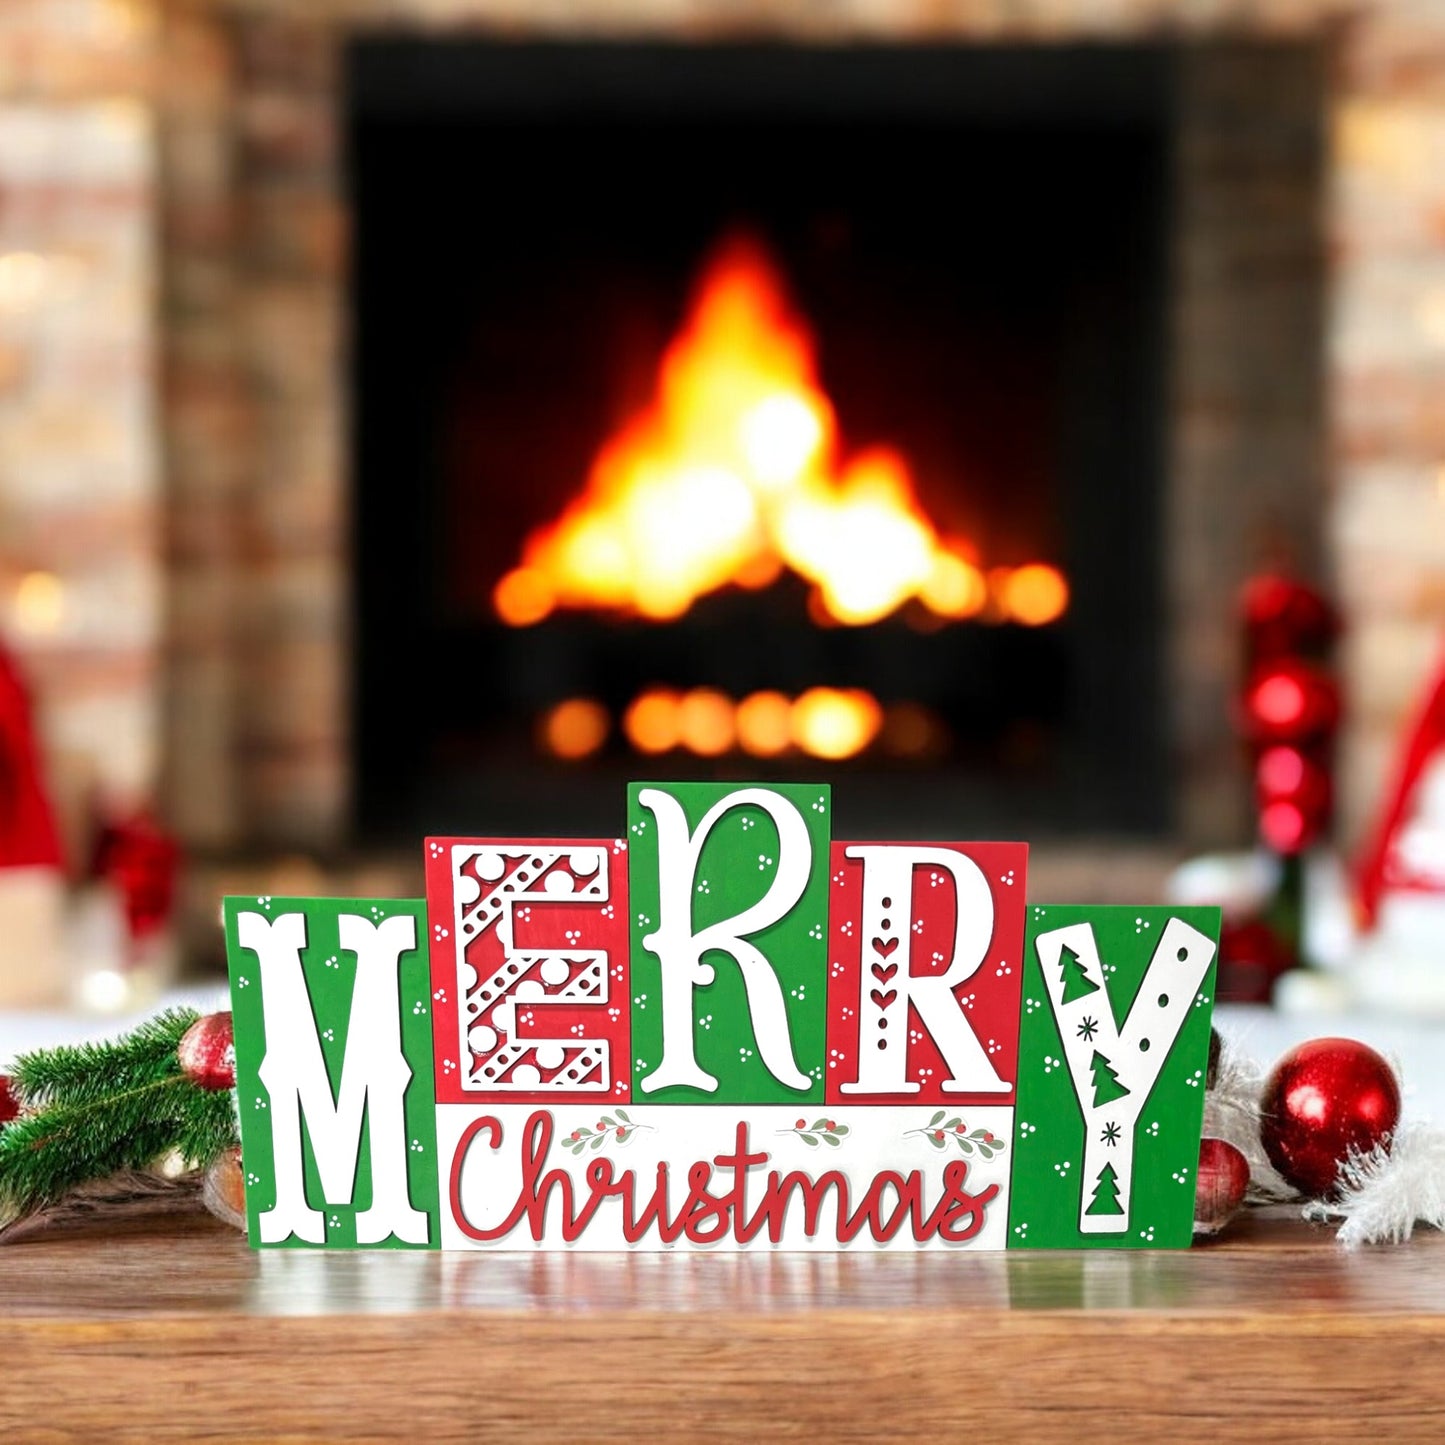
point(1424, 740)
point(207, 1052)
point(1219, 1185)
point(28, 837)
point(9, 1104)
point(1324, 1099)
point(141, 862)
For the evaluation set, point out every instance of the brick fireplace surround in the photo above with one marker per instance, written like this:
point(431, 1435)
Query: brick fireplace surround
point(173, 253)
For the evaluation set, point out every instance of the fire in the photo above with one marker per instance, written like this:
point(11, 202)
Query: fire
point(734, 471)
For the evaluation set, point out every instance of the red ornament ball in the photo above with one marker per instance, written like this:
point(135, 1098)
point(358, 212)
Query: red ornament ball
point(207, 1053)
point(1219, 1185)
point(9, 1104)
point(1324, 1099)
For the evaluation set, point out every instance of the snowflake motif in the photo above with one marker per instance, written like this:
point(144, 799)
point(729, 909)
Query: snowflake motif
point(440, 995)
point(835, 970)
point(643, 921)
point(448, 1065)
point(846, 928)
point(1025, 1129)
point(1110, 1136)
point(1195, 1079)
point(816, 931)
point(835, 1057)
point(820, 806)
point(1021, 1230)
point(1200, 1000)
point(416, 1147)
point(572, 935)
point(1003, 970)
point(619, 845)
point(1008, 879)
point(1180, 1176)
point(1088, 1028)
point(994, 1046)
point(764, 862)
point(800, 993)
point(702, 886)
point(439, 932)
point(614, 1013)
point(418, 1008)
point(253, 1178)
point(840, 877)
point(260, 1102)
point(705, 1022)
point(918, 926)
point(1030, 1004)
point(328, 1034)
point(264, 901)
point(640, 1000)
point(639, 827)
point(745, 1054)
point(1147, 1235)
point(607, 911)
point(524, 914)
point(243, 982)
point(1062, 1169)
point(1051, 1063)
point(1153, 1129)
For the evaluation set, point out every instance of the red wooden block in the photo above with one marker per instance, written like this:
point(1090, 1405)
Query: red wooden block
point(925, 946)
point(529, 967)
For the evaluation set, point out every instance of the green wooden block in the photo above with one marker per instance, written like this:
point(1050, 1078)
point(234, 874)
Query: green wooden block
point(332, 1006)
point(729, 900)
point(1113, 1050)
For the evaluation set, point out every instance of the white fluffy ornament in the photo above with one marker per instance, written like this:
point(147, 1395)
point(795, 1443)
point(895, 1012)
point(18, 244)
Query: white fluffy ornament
point(1384, 1194)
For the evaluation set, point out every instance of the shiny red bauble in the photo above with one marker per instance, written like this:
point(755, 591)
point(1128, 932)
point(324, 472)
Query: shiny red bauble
point(9, 1104)
point(1219, 1185)
point(207, 1052)
point(1324, 1099)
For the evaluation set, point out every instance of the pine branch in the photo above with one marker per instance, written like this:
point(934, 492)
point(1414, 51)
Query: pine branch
point(76, 1074)
point(97, 1110)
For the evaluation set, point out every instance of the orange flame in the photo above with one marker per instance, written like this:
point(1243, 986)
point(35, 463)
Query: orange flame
point(731, 473)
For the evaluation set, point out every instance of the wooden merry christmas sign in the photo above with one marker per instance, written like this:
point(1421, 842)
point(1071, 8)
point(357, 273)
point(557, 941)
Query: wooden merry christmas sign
point(721, 1030)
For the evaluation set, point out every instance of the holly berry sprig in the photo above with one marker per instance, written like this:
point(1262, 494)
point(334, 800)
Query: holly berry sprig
point(824, 1130)
point(619, 1128)
point(941, 1131)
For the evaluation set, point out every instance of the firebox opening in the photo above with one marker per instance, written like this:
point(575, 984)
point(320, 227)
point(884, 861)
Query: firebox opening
point(930, 555)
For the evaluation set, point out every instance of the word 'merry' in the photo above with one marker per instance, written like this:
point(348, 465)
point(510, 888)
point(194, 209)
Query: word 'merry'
point(723, 1029)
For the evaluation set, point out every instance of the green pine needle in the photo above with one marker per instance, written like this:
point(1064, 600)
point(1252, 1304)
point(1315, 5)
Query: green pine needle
point(96, 1109)
point(82, 1073)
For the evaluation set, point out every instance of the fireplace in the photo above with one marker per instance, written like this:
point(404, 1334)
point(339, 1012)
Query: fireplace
point(907, 527)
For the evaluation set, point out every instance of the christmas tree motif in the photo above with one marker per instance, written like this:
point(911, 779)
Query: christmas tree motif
point(1077, 983)
point(1106, 1192)
point(1107, 1087)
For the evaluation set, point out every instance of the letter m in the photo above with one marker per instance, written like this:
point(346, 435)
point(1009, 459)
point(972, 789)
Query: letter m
point(374, 1076)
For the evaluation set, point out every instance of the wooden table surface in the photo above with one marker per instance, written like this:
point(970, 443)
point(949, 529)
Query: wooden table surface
point(176, 1331)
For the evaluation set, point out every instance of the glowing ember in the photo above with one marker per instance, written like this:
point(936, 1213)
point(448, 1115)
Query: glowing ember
point(732, 472)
